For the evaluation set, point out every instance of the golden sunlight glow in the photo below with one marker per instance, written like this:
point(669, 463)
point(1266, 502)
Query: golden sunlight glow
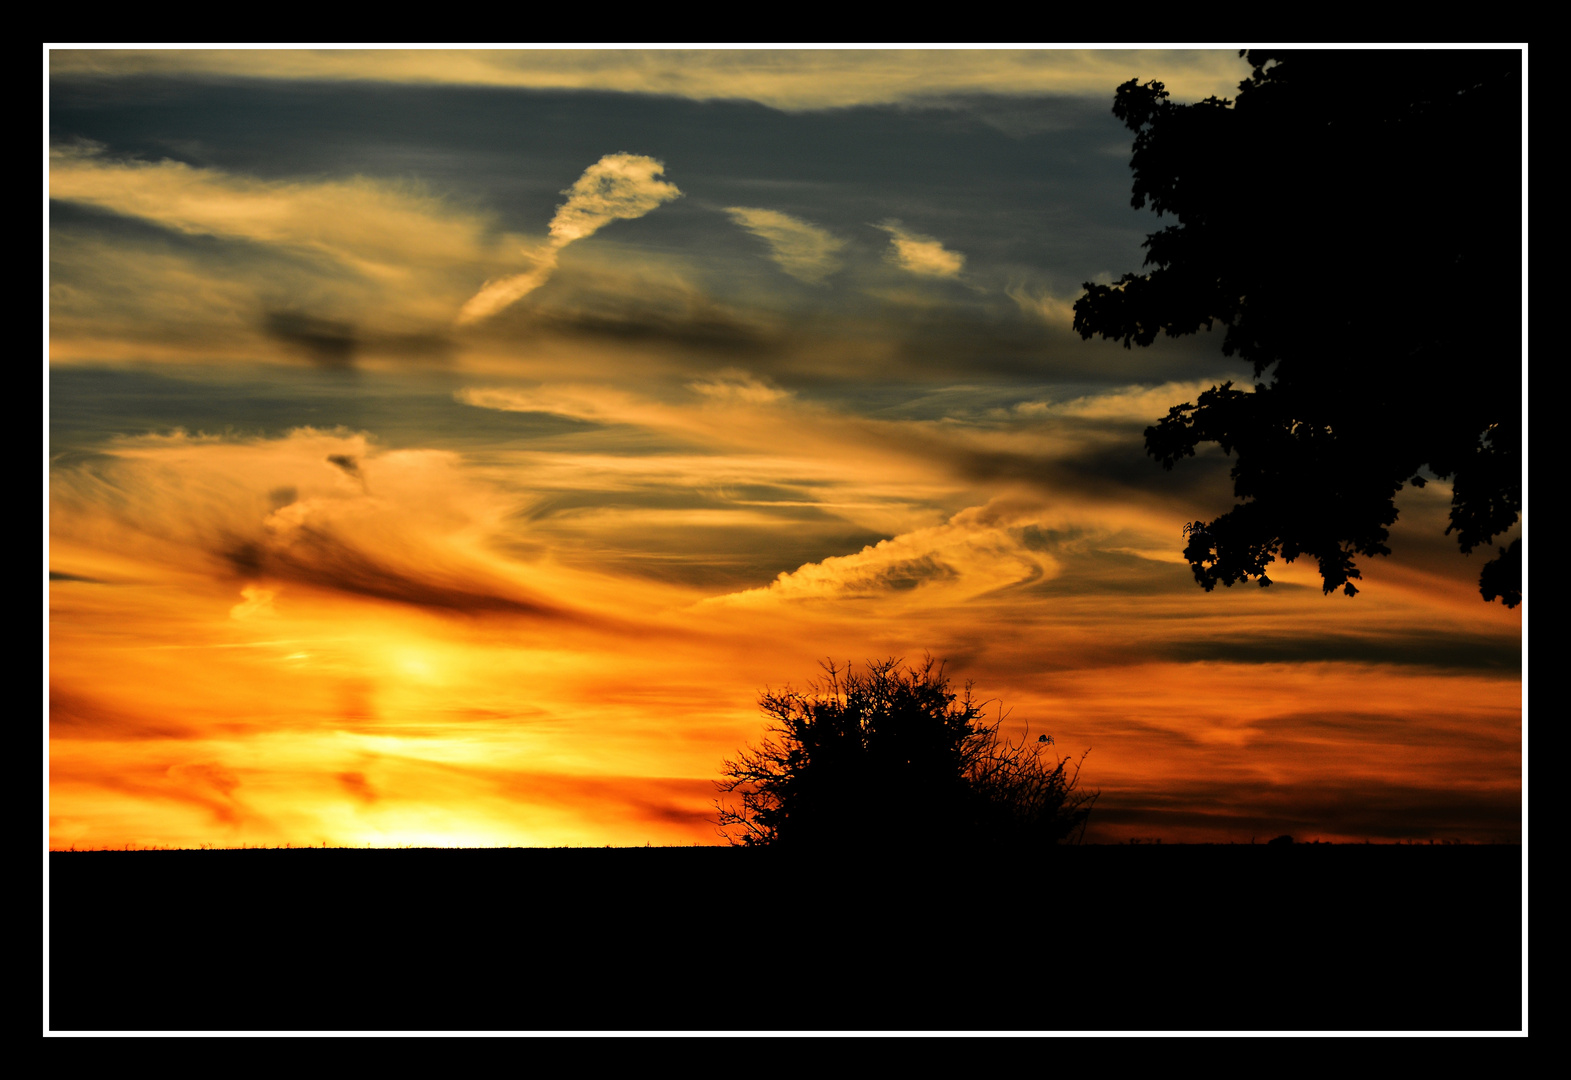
point(448, 447)
point(575, 706)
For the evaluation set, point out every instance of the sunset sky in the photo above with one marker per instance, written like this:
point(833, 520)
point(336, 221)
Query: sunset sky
point(447, 448)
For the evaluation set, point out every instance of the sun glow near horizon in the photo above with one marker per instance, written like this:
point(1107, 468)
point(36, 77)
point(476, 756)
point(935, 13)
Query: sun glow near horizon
point(447, 450)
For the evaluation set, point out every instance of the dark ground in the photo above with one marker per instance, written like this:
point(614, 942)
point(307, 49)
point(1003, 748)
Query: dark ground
point(1307, 937)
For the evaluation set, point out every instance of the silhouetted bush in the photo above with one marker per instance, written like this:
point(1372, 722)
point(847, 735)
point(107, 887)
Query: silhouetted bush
point(892, 757)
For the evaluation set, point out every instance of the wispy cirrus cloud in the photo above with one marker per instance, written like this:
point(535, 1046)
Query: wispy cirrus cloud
point(976, 551)
point(737, 387)
point(163, 259)
point(790, 79)
point(617, 187)
point(730, 407)
point(377, 228)
point(326, 512)
point(1126, 404)
point(595, 404)
point(802, 250)
point(922, 255)
point(1041, 304)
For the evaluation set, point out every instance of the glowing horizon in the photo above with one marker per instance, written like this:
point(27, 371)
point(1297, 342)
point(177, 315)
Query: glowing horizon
point(451, 460)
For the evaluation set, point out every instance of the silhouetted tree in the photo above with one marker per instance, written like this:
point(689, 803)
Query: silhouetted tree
point(1354, 221)
point(893, 757)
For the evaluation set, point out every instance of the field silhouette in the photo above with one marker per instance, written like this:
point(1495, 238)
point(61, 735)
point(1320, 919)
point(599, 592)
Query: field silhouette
point(1127, 937)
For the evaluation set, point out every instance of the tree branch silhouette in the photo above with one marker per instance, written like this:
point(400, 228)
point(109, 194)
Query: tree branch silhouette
point(1353, 220)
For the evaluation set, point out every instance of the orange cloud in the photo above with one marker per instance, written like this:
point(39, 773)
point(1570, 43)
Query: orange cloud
point(317, 638)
